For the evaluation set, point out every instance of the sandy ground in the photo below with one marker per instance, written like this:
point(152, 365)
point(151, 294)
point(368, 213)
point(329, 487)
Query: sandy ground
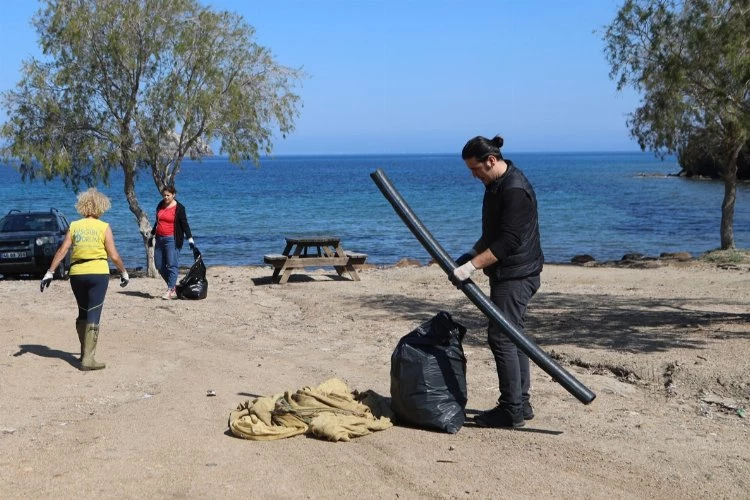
point(664, 349)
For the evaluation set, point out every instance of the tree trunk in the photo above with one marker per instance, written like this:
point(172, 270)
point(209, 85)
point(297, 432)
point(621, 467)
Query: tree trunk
point(141, 218)
point(150, 265)
point(730, 197)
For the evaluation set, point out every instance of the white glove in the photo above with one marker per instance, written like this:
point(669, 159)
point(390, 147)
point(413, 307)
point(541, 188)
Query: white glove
point(191, 242)
point(48, 276)
point(464, 272)
point(124, 279)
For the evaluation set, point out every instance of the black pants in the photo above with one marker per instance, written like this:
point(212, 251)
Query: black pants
point(89, 290)
point(512, 298)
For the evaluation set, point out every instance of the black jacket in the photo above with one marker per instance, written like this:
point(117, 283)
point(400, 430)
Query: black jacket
point(181, 226)
point(510, 227)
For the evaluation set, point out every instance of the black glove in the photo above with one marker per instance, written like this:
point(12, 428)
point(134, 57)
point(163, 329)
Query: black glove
point(46, 281)
point(191, 243)
point(151, 240)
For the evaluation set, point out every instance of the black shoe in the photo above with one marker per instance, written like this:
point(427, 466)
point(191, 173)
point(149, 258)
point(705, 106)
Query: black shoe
point(528, 411)
point(500, 416)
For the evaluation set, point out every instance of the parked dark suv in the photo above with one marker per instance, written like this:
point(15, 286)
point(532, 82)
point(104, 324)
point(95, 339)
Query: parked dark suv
point(29, 240)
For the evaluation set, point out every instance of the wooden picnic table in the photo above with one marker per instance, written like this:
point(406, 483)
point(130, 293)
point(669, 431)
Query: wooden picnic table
point(314, 251)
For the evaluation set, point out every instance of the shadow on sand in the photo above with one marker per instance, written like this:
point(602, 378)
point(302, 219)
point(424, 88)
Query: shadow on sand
point(45, 352)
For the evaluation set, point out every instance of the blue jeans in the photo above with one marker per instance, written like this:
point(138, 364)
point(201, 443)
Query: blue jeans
point(166, 259)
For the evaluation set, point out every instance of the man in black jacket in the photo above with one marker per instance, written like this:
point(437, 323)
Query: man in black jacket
point(510, 254)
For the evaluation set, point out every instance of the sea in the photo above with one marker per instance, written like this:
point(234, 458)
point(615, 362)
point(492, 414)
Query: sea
point(602, 204)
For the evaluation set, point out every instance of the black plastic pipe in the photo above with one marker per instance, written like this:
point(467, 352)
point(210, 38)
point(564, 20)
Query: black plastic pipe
point(475, 294)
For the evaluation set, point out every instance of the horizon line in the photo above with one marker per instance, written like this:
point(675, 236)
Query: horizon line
point(571, 152)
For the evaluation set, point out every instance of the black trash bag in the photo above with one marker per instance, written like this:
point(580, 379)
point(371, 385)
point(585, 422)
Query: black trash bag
point(428, 376)
point(194, 285)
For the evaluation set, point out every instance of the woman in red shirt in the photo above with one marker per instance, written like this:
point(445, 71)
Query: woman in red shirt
point(168, 234)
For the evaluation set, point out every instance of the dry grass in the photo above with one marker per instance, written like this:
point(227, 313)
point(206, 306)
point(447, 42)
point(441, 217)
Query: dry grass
point(731, 256)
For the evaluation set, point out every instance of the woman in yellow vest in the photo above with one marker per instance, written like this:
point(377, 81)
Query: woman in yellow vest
point(92, 243)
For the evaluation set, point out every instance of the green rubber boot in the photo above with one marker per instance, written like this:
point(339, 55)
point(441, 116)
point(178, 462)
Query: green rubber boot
point(89, 348)
point(81, 329)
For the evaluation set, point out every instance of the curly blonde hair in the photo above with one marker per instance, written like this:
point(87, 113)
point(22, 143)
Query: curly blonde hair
point(92, 203)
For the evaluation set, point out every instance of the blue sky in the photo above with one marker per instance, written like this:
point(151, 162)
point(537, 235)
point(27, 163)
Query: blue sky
point(417, 76)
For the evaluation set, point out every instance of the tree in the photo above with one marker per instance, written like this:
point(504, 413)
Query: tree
point(690, 60)
point(138, 85)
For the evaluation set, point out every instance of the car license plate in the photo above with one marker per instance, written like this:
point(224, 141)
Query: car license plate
point(13, 255)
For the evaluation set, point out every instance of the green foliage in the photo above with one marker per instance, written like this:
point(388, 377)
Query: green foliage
point(690, 61)
point(138, 85)
point(141, 84)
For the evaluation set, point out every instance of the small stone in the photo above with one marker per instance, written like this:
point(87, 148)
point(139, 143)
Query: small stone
point(582, 259)
point(678, 256)
point(632, 256)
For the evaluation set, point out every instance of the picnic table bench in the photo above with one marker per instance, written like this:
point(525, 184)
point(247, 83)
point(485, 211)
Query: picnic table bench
point(314, 251)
